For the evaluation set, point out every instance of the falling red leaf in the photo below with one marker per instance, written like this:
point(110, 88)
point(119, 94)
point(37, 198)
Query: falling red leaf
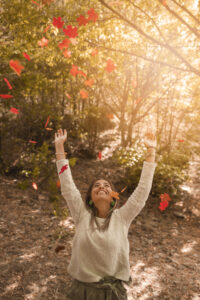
point(33, 142)
point(114, 195)
point(84, 94)
point(26, 56)
point(47, 1)
point(93, 16)
point(15, 65)
point(14, 110)
point(67, 53)
point(65, 167)
point(123, 189)
point(100, 155)
point(58, 22)
point(70, 31)
point(180, 141)
point(89, 82)
point(47, 122)
point(163, 205)
point(43, 42)
point(82, 20)
point(110, 66)
point(65, 44)
point(8, 83)
point(6, 96)
point(47, 28)
point(58, 183)
point(49, 128)
point(110, 116)
point(34, 185)
point(94, 52)
point(74, 70)
point(68, 96)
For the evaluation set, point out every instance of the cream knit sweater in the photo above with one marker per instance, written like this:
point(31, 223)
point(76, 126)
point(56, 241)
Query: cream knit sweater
point(98, 254)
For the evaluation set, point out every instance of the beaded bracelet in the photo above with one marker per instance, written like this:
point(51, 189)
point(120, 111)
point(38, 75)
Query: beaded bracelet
point(62, 153)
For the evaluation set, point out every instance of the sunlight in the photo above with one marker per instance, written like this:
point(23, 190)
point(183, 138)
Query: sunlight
point(68, 223)
point(188, 247)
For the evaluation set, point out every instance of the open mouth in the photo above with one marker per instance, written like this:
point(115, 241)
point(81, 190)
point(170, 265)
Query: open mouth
point(102, 192)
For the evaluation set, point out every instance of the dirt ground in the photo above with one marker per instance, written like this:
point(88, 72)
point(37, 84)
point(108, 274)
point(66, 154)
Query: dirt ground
point(164, 246)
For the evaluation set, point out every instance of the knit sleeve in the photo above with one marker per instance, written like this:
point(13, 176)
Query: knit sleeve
point(68, 189)
point(137, 200)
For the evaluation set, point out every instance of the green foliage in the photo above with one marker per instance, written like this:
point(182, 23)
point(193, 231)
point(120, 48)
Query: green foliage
point(72, 161)
point(169, 174)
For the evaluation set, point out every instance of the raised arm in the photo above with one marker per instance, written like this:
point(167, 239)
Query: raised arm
point(137, 200)
point(68, 188)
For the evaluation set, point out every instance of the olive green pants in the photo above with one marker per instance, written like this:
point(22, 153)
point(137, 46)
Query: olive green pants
point(108, 288)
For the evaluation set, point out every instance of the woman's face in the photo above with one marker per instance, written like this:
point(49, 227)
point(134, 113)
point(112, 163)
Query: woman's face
point(101, 192)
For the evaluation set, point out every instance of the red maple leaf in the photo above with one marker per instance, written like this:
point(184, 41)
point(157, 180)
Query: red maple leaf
point(99, 155)
point(94, 52)
point(110, 66)
point(165, 196)
point(65, 44)
point(8, 83)
point(114, 194)
point(163, 205)
point(43, 42)
point(33, 142)
point(14, 110)
point(84, 94)
point(82, 20)
point(67, 53)
point(58, 22)
point(26, 55)
point(35, 2)
point(15, 65)
point(81, 73)
point(6, 96)
point(70, 31)
point(47, 122)
point(110, 116)
point(63, 169)
point(180, 141)
point(93, 16)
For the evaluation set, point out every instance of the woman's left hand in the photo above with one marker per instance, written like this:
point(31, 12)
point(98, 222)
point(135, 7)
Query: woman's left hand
point(150, 139)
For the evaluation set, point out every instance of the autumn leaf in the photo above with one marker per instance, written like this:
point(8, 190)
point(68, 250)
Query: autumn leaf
point(138, 100)
point(123, 189)
point(47, 122)
point(68, 96)
point(57, 22)
point(6, 96)
point(93, 16)
point(47, 28)
point(110, 66)
point(84, 94)
point(35, 2)
point(70, 31)
point(180, 141)
point(67, 53)
point(49, 128)
point(65, 167)
point(163, 205)
point(81, 73)
point(43, 42)
point(33, 142)
point(99, 155)
point(89, 82)
point(74, 70)
point(47, 2)
point(8, 84)
point(26, 56)
point(58, 183)
point(34, 185)
point(94, 52)
point(164, 2)
point(114, 195)
point(110, 116)
point(64, 44)
point(14, 110)
point(15, 65)
point(82, 20)
point(165, 196)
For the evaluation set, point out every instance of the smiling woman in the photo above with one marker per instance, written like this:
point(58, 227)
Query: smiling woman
point(99, 263)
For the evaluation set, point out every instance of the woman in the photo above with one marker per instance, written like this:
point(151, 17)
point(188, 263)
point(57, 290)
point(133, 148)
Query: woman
point(99, 263)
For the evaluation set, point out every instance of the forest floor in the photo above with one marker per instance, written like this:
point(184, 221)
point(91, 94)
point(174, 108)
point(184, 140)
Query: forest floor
point(164, 246)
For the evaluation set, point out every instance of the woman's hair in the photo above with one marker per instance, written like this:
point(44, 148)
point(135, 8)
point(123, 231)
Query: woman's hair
point(93, 210)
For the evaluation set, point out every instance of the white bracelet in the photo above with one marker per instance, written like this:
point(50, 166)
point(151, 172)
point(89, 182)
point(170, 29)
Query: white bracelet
point(62, 153)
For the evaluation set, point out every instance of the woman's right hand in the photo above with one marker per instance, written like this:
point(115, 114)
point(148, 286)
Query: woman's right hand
point(60, 137)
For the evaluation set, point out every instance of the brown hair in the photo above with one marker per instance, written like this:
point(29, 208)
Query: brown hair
point(93, 210)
